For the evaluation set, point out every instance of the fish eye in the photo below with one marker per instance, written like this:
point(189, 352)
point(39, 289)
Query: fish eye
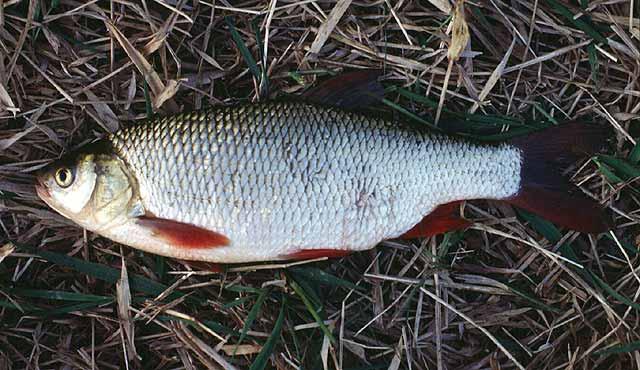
point(64, 177)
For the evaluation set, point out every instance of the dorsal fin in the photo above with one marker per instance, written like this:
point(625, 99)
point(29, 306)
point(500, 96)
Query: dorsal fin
point(351, 90)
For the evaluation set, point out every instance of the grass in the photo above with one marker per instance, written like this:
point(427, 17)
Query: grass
point(513, 290)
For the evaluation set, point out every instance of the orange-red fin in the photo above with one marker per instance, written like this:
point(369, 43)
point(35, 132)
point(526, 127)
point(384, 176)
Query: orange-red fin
point(351, 90)
point(307, 254)
point(183, 235)
point(445, 217)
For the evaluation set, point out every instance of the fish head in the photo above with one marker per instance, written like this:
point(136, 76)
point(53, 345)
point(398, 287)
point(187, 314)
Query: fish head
point(92, 189)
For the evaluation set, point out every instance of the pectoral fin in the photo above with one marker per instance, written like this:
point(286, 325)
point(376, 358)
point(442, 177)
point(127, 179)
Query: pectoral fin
point(181, 234)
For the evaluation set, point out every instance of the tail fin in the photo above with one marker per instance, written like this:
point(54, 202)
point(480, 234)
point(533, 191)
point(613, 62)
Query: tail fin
point(542, 188)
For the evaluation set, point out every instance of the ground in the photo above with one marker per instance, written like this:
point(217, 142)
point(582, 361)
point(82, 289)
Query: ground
point(512, 291)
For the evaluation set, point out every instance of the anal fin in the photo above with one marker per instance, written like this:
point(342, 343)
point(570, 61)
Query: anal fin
point(181, 234)
point(446, 217)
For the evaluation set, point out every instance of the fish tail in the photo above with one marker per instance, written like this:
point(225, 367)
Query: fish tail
point(543, 189)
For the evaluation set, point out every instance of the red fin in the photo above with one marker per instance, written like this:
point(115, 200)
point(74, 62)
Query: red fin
point(445, 217)
point(571, 211)
point(308, 254)
point(353, 90)
point(561, 145)
point(544, 191)
point(183, 235)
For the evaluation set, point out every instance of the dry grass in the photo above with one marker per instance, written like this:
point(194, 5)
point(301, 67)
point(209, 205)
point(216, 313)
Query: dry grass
point(512, 290)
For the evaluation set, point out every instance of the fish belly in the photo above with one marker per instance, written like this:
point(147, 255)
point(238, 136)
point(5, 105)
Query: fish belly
point(277, 178)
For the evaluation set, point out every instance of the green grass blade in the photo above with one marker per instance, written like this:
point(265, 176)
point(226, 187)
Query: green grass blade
point(623, 168)
point(307, 302)
point(634, 156)
point(322, 277)
point(607, 288)
point(544, 227)
point(243, 289)
point(74, 307)
point(109, 274)
point(608, 172)
point(161, 267)
point(237, 302)
point(242, 47)
point(620, 348)
point(412, 116)
point(547, 115)
point(253, 314)
point(58, 295)
point(264, 80)
point(531, 299)
point(583, 23)
point(593, 62)
point(147, 100)
point(261, 360)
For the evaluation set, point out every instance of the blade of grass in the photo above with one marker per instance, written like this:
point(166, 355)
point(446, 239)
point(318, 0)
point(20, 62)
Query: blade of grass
point(261, 360)
point(593, 61)
point(322, 277)
point(620, 348)
point(147, 99)
point(253, 314)
point(109, 274)
point(623, 168)
point(72, 308)
point(264, 81)
point(583, 23)
point(634, 156)
point(412, 116)
point(242, 47)
point(58, 295)
point(307, 302)
point(531, 299)
point(607, 288)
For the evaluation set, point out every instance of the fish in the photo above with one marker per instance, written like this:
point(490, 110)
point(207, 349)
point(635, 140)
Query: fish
point(306, 178)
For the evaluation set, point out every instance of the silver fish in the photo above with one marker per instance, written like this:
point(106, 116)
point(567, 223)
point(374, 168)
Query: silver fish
point(281, 180)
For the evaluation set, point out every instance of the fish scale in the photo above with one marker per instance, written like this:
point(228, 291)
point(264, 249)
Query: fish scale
point(279, 177)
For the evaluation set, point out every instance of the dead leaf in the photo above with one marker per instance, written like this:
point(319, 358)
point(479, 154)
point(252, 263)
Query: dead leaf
point(459, 32)
point(240, 349)
point(442, 5)
point(131, 91)
point(105, 114)
point(124, 303)
point(6, 143)
point(80, 61)
point(496, 75)
point(166, 94)
point(150, 75)
point(155, 42)
point(53, 39)
point(209, 59)
point(328, 26)
point(6, 101)
point(6, 250)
